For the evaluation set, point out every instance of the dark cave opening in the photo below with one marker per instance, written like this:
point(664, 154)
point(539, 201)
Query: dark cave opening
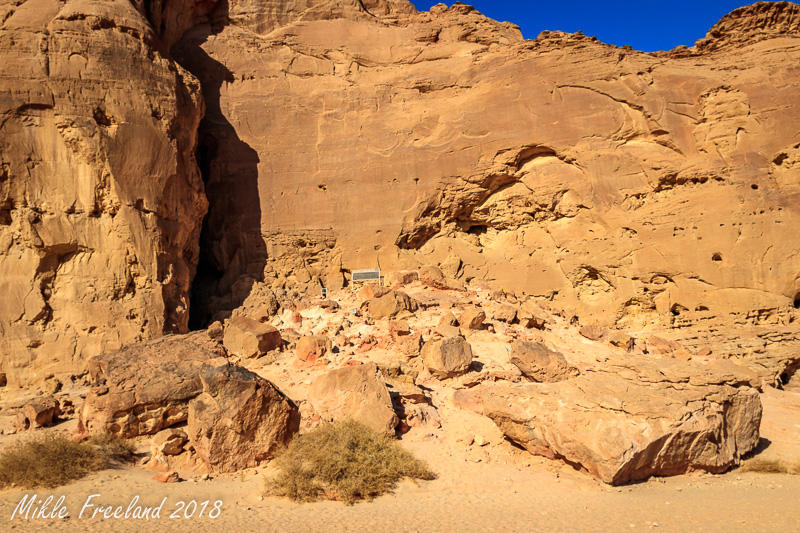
point(208, 273)
point(796, 302)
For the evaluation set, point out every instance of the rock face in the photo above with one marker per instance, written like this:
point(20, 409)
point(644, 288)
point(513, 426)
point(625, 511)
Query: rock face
point(448, 357)
point(357, 392)
point(538, 363)
point(240, 419)
point(639, 191)
point(101, 200)
point(145, 388)
point(630, 419)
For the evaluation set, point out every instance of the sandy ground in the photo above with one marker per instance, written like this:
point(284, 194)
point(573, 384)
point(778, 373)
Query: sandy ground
point(507, 490)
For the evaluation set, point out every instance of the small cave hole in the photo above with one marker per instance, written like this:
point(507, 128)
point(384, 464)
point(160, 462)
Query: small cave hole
point(754, 186)
point(101, 118)
point(716, 257)
point(784, 378)
point(477, 230)
point(796, 302)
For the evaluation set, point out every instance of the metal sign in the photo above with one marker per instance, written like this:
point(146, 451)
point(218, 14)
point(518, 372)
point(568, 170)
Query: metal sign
point(367, 275)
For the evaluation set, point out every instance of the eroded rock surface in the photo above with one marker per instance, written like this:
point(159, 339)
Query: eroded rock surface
point(357, 392)
point(240, 419)
point(631, 418)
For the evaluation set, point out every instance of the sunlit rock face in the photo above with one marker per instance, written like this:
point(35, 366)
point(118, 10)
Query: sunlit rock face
point(645, 191)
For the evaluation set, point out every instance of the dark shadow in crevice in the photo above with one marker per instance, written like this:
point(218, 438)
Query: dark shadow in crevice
point(232, 248)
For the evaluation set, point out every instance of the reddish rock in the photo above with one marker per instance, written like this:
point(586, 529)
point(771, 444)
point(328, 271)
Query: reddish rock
point(239, 419)
point(41, 412)
point(472, 318)
point(169, 477)
point(593, 332)
point(311, 348)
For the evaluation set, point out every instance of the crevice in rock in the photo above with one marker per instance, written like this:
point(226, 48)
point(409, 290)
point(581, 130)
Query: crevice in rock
point(232, 253)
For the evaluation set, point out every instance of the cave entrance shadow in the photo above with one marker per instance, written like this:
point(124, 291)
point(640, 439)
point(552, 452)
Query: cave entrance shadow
point(232, 249)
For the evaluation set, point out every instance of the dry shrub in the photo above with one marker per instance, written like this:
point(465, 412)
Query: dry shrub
point(345, 461)
point(765, 466)
point(51, 459)
point(114, 448)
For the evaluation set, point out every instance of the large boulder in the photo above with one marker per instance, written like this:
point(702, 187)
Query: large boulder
point(539, 363)
point(38, 413)
point(448, 357)
point(357, 392)
point(146, 387)
point(391, 304)
point(630, 419)
point(240, 419)
point(246, 337)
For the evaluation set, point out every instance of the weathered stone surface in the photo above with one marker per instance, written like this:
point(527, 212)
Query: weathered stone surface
point(630, 419)
point(247, 338)
point(448, 357)
point(168, 442)
point(593, 332)
point(629, 188)
point(101, 200)
point(403, 277)
point(240, 419)
point(505, 313)
point(311, 348)
point(448, 319)
point(638, 191)
point(357, 392)
point(41, 412)
point(472, 318)
point(391, 304)
point(538, 363)
point(146, 387)
point(621, 340)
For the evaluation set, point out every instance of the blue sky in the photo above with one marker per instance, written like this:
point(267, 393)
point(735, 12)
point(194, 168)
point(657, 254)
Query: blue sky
point(646, 25)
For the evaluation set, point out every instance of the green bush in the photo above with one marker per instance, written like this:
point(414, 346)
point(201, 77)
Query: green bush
point(345, 461)
point(50, 459)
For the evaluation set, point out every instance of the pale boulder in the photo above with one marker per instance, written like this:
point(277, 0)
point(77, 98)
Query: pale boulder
point(357, 392)
point(249, 338)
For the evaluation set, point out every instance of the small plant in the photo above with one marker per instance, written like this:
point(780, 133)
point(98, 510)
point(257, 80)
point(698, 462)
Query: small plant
point(345, 461)
point(765, 466)
point(48, 460)
point(114, 448)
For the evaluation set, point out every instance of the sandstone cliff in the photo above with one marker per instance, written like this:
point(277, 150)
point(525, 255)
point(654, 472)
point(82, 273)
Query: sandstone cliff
point(645, 191)
point(100, 196)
